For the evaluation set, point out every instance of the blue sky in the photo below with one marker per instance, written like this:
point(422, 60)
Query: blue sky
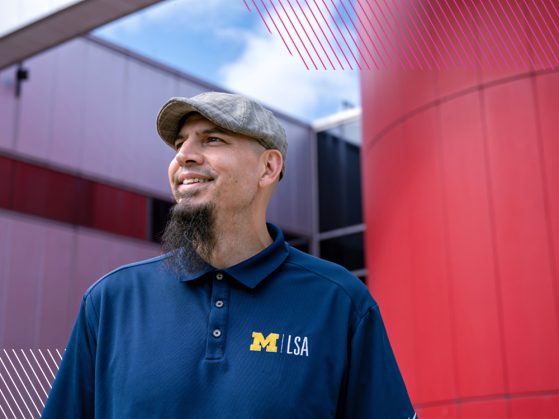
point(223, 42)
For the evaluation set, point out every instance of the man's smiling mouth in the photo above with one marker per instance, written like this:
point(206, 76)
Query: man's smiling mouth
point(195, 180)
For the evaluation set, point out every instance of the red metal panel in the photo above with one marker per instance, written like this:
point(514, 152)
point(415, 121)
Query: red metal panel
point(418, 89)
point(386, 181)
point(380, 114)
point(407, 92)
point(410, 204)
point(471, 266)
point(30, 189)
point(460, 68)
point(119, 211)
point(532, 340)
point(438, 412)
point(490, 409)
point(46, 193)
point(498, 22)
point(67, 198)
point(497, 261)
point(84, 202)
point(542, 33)
point(426, 235)
point(545, 406)
point(455, 80)
point(6, 182)
point(62, 192)
point(548, 107)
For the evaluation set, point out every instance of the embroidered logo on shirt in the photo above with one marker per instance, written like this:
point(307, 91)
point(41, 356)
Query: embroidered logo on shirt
point(288, 344)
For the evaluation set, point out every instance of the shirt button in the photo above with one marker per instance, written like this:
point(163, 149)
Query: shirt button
point(219, 276)
point(219, 303)
point(216, 333)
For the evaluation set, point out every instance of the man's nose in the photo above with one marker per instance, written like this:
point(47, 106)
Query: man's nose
point(189, 153)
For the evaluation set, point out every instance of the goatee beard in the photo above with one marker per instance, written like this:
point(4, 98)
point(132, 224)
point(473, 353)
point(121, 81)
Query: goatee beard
point(190, 237)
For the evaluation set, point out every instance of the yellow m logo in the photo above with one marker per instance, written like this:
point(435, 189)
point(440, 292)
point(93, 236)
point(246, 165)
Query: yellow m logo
point(269, 342)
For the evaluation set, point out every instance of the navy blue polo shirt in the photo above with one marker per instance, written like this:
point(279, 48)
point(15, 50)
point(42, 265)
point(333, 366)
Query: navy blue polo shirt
point(280, 335)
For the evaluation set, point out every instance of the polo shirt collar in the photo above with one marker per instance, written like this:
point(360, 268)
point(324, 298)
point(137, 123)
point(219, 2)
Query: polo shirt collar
point(252, 271)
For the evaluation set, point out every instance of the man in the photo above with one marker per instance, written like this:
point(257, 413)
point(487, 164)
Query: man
point(231, 322)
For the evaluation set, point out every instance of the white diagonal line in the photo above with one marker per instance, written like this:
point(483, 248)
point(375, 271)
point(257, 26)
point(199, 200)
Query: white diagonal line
point(13, 382)
point(25, 383)
point(8, 404)
point(30, 382)
point(53, 360)
point(10, 391)
point(6, 416)
point(22, 383)
point(46, 362)
point(32, 369)
point(48, 381)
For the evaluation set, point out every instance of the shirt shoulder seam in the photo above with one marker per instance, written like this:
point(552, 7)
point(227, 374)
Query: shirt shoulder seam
point(122, 268)
point(354, 305)
point(367, 313)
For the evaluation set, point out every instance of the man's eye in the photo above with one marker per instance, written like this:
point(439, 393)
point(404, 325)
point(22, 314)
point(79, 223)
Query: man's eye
point(178, 145)
point(214, 140)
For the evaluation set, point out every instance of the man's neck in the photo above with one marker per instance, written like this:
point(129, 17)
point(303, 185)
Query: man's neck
point(238, 240)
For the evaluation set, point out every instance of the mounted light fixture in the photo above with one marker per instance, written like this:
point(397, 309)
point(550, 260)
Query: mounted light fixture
point(22, 74)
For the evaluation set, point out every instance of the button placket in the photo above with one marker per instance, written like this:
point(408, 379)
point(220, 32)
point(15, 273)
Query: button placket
point(217, 325)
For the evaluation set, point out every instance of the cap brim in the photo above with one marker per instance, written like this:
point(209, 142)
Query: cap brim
point(169, 117)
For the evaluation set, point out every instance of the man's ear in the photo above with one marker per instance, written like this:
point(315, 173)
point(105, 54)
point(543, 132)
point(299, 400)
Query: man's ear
point(273, 163)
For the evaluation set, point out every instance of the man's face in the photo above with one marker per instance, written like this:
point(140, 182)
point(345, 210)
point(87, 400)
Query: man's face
point(213, 166)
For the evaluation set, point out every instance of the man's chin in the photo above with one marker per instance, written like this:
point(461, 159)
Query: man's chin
point(191, 192)
point(190, 204)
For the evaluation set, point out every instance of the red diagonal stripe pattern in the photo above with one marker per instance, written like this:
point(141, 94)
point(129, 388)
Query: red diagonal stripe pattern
point(26, 377)
point(415, 34)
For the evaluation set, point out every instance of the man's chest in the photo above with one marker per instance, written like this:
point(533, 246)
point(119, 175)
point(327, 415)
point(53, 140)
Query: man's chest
point(224, 355)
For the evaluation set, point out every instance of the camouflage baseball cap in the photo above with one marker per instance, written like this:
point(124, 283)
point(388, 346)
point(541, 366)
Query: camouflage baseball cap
point(234, 112)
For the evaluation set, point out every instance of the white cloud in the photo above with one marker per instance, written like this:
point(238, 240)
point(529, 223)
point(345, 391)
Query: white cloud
point(268, 72)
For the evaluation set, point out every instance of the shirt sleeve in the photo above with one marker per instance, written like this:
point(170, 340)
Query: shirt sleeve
point(374, 388)
point(72, 393)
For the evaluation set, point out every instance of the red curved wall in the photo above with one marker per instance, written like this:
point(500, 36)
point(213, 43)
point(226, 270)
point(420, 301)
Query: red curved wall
point(461, 203)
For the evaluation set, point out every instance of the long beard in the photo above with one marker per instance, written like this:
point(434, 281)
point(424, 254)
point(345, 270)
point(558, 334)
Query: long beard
point(190, 237)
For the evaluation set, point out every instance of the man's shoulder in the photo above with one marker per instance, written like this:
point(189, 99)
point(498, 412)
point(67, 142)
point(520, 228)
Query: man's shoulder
point(126, 275)
point(332, 274)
